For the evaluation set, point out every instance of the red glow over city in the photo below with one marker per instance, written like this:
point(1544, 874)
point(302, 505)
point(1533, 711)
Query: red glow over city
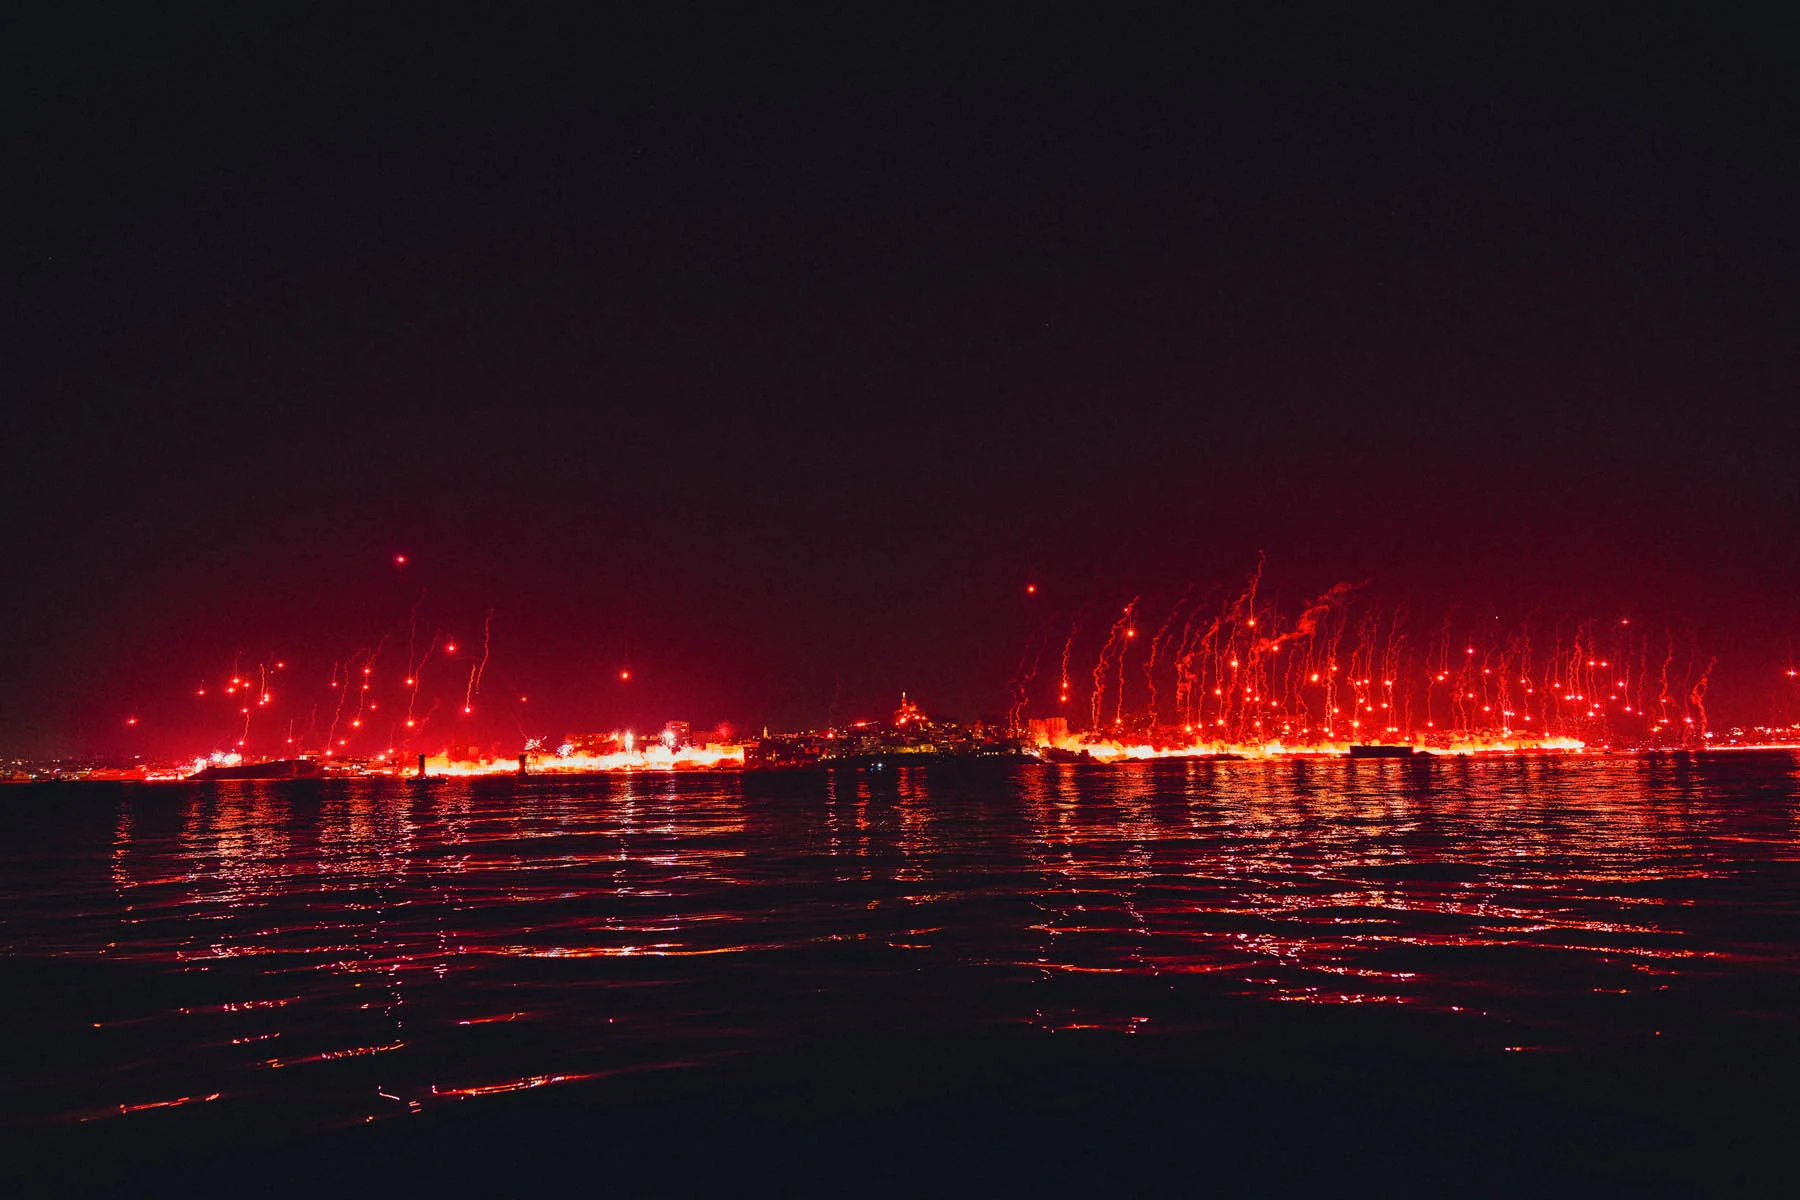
point(1242, 674)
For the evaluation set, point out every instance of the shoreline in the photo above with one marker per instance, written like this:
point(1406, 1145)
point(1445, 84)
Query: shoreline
point(917, 761)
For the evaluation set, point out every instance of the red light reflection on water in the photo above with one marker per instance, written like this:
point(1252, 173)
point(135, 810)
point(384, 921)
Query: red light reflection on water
point(417, 944)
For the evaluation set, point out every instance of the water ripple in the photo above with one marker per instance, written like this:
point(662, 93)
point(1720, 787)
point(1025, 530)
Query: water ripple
point(361, 950)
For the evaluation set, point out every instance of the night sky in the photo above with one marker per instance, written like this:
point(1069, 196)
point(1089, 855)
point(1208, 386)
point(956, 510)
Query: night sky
point(774, 358)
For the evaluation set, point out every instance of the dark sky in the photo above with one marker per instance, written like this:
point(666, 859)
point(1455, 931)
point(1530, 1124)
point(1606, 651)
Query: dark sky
point(773, 358)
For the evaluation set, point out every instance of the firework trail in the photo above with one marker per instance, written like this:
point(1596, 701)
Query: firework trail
point(412, 636)
point(415, 678)
point(1697, 698)
point(1068, 649)
point(1156, 644)
point(337, 713)
point(1029, 660)
point(1185, 681)
point(1115, 637)
point(364, 704)
point(1663, 698)
point(1119, 702)
point(480, 666)
point(1308, 622)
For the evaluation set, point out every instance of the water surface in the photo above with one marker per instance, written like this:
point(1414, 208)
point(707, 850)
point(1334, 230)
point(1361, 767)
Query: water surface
point(336, 952)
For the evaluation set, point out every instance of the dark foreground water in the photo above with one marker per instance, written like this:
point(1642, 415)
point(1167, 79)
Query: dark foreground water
point(1598, 956)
